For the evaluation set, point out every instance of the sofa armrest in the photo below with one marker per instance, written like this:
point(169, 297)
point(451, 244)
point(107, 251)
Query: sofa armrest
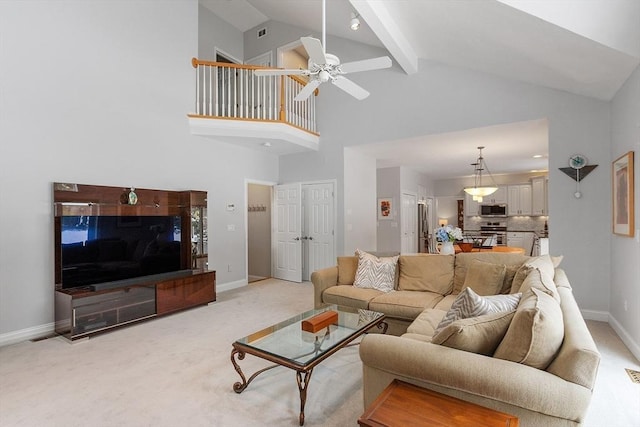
point(468, 376)
point(323, 279)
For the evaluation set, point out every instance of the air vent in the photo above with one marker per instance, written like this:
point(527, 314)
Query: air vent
point(262, 32)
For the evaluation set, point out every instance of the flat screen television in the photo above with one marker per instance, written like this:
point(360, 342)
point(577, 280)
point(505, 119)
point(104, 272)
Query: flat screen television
point(97, 250)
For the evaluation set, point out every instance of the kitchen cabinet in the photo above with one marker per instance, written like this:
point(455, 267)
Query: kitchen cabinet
point(497, 198)
point(515, 239)
point(471, 207)
point(519, 200)
point(539, 196)
point(521, 239)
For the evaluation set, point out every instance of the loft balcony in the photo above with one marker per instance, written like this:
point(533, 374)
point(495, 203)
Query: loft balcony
point(253, 111)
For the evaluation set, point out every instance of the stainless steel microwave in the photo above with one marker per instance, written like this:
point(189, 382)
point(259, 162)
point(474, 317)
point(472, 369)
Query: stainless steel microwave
point(493, 211)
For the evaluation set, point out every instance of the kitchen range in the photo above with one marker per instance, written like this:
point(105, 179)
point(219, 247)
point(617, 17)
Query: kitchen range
point(495, 228)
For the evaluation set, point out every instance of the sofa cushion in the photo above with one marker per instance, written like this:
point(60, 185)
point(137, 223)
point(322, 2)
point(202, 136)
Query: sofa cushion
point(535, 333)
point(404, 304)
point(349, 296)
point(469, 304)
point(485, 278)
point(463, 262)
point(426, 273)
point(347, 266)
point(509, 274)
point(480, 334)
point(539, 280)
point(446, 302)
point(427, 322)
point(375, 272)
point(542, 263)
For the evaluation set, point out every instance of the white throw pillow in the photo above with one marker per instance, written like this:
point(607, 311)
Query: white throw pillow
point(469, 304)
point(374, 272)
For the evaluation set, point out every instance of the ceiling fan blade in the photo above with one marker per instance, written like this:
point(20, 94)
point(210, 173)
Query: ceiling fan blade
point(314, 49)
point(307, 90)
point(366, 65)
point(279, 72)
point(350, 87)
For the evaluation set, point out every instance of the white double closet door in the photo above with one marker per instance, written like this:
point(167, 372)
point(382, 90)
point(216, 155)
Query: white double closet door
point(304, 235)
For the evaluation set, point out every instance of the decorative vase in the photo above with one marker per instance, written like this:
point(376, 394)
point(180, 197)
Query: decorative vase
point(447, 248)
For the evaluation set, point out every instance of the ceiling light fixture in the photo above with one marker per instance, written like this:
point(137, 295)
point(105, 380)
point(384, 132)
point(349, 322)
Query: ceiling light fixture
point(355, 22)
point(478, 191)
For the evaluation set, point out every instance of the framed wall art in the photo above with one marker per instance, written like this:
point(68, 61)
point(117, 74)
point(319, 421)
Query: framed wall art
point(385, 208)
point(622, 193)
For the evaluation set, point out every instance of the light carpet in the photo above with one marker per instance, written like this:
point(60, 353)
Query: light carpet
point(176, 371)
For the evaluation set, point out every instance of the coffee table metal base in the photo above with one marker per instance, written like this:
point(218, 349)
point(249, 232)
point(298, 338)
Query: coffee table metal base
point(303, 373)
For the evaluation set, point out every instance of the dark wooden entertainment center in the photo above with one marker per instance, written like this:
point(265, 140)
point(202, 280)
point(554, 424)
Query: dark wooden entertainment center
point(85, 310)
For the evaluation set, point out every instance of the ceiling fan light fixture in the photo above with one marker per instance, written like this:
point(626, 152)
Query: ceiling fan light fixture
point(324, 76)
point(478, 191)
point(355, 21)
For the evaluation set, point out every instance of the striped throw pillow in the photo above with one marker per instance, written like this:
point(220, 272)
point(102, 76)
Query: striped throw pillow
point(375, 273)
point(469, 304)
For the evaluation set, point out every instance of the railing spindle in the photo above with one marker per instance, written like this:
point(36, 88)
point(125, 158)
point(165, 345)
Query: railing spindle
point(234, 91)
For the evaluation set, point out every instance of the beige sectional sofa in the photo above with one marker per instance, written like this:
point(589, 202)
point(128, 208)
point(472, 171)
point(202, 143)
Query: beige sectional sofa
point(537, 361)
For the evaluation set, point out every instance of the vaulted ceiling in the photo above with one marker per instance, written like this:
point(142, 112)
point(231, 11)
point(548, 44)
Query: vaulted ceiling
point(588, 48)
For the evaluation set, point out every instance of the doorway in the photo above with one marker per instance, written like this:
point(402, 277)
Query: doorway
point(409, 223)
point(258, 231)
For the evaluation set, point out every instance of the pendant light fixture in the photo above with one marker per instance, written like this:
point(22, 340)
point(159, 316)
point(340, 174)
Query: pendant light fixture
point(478, 191)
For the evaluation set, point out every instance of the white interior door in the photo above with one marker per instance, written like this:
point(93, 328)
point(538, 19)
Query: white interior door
point(318, 228)
point(409, 224)
point(288, 233)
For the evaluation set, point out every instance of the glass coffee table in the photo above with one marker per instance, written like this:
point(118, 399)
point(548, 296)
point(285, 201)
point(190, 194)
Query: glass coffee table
point(287, 344)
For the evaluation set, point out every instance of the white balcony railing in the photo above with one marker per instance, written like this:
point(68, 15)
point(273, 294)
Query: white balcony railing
point(231, 91)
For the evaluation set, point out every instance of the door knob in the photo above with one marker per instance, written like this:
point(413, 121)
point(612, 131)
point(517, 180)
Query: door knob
point(304, 237)
point(310, 238)
point(297, 238)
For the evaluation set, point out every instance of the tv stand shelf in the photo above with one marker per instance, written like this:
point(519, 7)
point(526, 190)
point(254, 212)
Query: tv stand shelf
point(81, 312)
point(126, 254)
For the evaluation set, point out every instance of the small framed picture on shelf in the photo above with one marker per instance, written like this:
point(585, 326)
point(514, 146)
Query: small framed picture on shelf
point(385, 208)
point(622, 194)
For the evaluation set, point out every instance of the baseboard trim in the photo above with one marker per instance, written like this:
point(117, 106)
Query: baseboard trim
point(27, 334)
point(633, 346)
point(231, 285)
point(49, 328)
point(599, 316)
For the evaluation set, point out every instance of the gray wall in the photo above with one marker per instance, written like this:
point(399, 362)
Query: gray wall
point(388, 239)
point(98, 92)
point(213, 32)
point(625, 251)
point(360, 205)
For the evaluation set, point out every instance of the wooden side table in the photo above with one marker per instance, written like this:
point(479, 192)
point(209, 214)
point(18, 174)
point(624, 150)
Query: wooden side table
point(402, 404)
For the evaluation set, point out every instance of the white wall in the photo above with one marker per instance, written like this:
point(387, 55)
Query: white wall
point(360, 207)
point(625, 251)
point(98, 92)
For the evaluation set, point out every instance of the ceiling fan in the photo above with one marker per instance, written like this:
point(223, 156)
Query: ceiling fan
point(324, 67)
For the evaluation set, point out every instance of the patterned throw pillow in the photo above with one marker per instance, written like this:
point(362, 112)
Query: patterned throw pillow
point(375, 273)
point(469, 304)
